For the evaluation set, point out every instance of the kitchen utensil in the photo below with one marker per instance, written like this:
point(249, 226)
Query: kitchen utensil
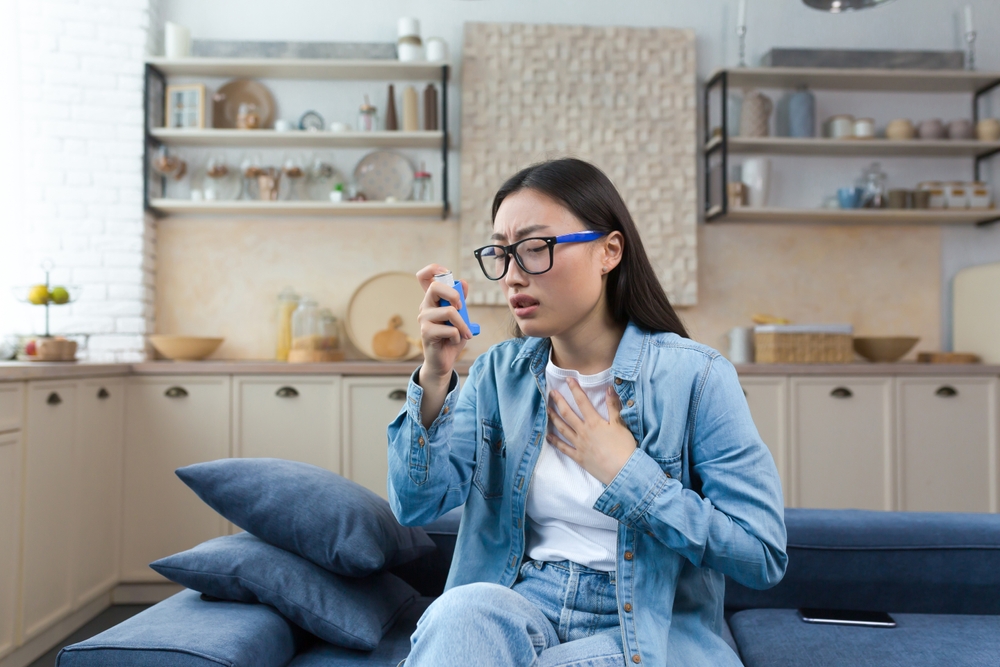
point(884, 349)
point(961, 129)
point(899, 129)
point(849, 197)
point(864, 128)
point(947, 358)
point(310, 340)
point(755, 115)
point(840, 127)
point(184, 348)
point(931, 129)
point(322, 178)
point(756, 175)
point(976, 312)
point(247, 117)
point(283, 125)
point(740, 345)
point(53, 348)
point(292, 173)
point(988, 129)
point(802, 113)
point(391, 343)
point(803, 343)
point(227, 100)
point(375, 302)
point(383, 174)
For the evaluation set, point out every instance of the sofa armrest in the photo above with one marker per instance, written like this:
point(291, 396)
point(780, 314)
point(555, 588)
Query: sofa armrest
point(186, 631)
point(907, 562)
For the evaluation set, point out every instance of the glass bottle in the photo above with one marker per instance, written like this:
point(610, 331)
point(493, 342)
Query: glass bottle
point(306, 325)
point(367, 117)
point(288, 302)
point(423, 188)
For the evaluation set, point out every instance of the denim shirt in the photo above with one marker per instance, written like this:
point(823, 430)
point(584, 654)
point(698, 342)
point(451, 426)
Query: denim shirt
point(699, 498)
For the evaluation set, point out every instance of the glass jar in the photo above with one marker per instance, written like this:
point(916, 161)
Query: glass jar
point(306, 330)
point(329, 330)
point(423, 187)
point(872, 184)
point(367, 117)
point(288, 302)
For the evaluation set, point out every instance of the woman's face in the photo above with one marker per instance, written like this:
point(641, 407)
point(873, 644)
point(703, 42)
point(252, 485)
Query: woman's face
point(551, 303)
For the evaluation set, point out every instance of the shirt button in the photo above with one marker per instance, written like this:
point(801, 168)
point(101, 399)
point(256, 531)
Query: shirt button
point(668, 475)
point(420, 440)
point(630, 403)
point(628, 555)
point(628, 607)
point(618, 380)
point(445, 409)
point(636, 659)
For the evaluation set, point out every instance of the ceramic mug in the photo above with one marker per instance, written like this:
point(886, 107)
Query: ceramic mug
point(849, 197)
point(757, 176)
point(840, 127)
point(988, 129)
point(960, 129)
point(899, 129)
point(931, 129)
point(864, 128)
point(741, 340)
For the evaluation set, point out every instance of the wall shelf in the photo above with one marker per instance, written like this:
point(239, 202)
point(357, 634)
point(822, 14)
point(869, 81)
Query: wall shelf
point(298, 208)
point(873, 147)
point(300, 68)
point(298, 138)
point(883, 80)
point(858, 216)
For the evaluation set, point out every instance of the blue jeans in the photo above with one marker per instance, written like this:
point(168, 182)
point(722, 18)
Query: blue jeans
point(558, 614)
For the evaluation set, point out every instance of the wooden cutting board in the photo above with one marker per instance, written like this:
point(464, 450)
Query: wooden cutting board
point(976, 312)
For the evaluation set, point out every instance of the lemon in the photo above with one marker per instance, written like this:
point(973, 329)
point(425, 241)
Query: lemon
point(38, 295)
point(59, 295)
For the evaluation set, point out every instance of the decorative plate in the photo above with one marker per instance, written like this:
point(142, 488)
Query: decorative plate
point(227, 99)
point(384, 174)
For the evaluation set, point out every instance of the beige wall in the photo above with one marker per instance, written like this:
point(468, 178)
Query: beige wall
point(221, 277)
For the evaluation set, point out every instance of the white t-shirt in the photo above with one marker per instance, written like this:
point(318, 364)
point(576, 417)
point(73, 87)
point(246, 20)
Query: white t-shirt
point(562, 521)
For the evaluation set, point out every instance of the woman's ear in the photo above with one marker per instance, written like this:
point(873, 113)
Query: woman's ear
point(613, 248)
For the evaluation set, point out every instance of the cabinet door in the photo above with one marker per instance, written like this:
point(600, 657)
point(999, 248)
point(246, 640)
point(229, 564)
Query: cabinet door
point(294, 418)
point(370, 405)
point(10, 535)
point(98, 469)
point(842, 442)
point(947, 443)
point(11, 405)
point(50, 480)
point(768, 401)
point(170, 422)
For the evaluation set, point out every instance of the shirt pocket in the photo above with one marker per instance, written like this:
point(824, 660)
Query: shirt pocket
point(491, 460)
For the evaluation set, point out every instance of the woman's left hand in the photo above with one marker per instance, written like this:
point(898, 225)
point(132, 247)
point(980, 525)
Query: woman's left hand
point(601, 447)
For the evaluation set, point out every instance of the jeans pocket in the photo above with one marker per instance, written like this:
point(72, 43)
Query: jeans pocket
point(491, 459)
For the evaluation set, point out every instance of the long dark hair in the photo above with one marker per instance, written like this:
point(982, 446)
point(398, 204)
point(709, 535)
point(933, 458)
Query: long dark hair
point(633, 291)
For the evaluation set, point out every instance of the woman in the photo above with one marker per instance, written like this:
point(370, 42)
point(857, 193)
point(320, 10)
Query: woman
point(598, 523)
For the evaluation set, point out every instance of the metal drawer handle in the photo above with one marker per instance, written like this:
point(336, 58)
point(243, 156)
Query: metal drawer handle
point(175, 392)
point(397, 395)
point(102, 393)
point(947, 391)
point(287, 392)
point(841, 392)
point(53, 399)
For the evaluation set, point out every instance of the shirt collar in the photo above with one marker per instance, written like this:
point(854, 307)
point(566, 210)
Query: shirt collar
point(628, 357)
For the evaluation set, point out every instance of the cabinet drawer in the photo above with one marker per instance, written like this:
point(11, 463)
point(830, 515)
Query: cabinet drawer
point(292, 418)
point(11, 405)
point(947, 444)
point(842, 442)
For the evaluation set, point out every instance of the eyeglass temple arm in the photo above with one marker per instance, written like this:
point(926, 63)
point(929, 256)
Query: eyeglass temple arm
point(580, 236)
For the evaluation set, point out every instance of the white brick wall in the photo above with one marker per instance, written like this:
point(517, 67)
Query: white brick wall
point(81, 82)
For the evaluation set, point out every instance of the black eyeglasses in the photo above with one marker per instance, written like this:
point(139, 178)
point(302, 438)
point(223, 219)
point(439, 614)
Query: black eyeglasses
point(533, 255)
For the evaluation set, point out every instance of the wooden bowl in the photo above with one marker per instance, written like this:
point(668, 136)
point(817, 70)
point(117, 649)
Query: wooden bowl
point(884, 349)
point(185, 348)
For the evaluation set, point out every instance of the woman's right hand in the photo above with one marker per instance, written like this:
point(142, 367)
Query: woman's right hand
point(442, 343)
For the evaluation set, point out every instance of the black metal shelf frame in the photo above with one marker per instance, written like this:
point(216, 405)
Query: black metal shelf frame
point(721, 81)
point(154, 99)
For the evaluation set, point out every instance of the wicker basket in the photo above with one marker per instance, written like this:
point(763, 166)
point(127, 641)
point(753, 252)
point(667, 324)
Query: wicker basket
point(804, 344)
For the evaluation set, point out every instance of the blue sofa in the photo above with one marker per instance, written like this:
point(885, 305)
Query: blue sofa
point(938, 574)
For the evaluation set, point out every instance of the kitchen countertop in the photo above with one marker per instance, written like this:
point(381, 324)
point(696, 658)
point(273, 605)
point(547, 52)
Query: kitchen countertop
point(39, 370)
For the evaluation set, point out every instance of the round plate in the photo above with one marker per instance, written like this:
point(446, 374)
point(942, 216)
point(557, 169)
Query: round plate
point(227, 99)
point(375, 302)
point(384, 174)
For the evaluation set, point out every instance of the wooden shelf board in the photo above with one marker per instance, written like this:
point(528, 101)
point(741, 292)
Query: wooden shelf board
point(297, 208)
point(897, 80)
point(300, 68)
point(860, 216)
point(876, 147)
point(219, 137)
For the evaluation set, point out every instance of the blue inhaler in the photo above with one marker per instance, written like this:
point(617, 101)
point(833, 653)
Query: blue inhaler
point(449, 280)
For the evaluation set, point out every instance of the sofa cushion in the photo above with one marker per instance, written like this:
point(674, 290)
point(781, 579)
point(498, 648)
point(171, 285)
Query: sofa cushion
point(185, 631)
point(914, 562)
point(342, 610)
point(779, 638)
point(319, 515)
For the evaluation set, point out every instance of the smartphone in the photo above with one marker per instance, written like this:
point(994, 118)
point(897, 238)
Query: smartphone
point(876, 619)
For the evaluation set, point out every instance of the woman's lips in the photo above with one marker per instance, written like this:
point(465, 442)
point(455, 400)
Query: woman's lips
point(523, 305)
point(525, 311)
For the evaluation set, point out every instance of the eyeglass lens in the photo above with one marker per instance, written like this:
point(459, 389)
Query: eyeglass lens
point(533, 254)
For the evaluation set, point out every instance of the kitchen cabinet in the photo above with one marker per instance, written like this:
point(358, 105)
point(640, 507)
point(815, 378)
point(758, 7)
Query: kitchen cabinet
point(11, 406)
point(97, 465)
point(49, 479)
point(291, 417)
point(10, 533)
point(170, 422)
point(842, 444)
point(768, 401)
point(370, 404)
point(947, 441)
